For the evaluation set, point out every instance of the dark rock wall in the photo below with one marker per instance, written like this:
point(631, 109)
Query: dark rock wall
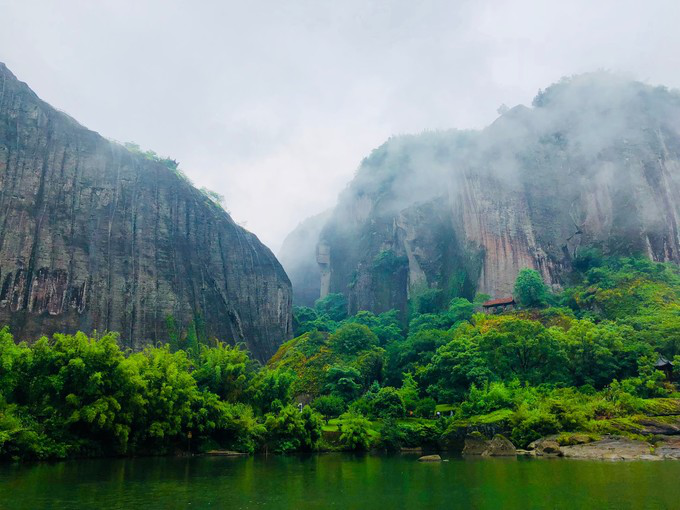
point(94, 237)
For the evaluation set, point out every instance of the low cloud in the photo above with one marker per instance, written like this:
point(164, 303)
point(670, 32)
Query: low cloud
point(274, 104)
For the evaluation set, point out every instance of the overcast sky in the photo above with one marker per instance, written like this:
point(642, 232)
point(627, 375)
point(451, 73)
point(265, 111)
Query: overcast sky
point(274, 103)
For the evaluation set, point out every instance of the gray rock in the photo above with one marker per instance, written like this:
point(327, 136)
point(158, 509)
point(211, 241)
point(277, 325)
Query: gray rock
point(666, 426)
point(610, 448)
point(546, 447)
point(668, 448)
point(476, 444)
point(430, 458)
point(499, 446)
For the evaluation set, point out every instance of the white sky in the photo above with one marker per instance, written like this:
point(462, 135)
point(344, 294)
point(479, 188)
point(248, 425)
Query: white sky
point(274, 103)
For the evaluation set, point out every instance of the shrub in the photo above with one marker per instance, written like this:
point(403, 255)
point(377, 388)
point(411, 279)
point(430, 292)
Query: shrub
point(293, 430)
point(531, 424)
point(354, 432)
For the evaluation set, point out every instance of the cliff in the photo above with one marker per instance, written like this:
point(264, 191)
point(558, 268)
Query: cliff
point(595, 162)
point(299, 259)
point(95, 237)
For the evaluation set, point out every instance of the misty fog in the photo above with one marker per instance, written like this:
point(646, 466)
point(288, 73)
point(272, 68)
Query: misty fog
point(274, 105)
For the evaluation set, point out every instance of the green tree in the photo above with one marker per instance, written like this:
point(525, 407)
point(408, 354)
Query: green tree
point(389, 404)
point(409, 392)
point(426, 407)
point(523, 349)
point(386, 326)
point(169, 398)
point(429, 321)
point(460, 309)
point(330, 406)
point(414, 353)
point(271, 389)
point(352, 338)
point(429, 301)
point(224, 370)
point(454, 367)
point(343, 381)
point(530, 290)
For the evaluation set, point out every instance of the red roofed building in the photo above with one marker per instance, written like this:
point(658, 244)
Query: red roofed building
point(501, 303)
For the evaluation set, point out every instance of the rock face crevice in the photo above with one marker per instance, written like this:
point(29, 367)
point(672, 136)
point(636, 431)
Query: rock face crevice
point(595, 163)
point(93, 236)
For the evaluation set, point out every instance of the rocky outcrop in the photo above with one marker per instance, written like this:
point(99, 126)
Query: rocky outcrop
point(498, 446)
point(594, 163)
point(95, 237)
point(663, 426)
point(545, 447)
point(475, 444)
point(668, 448)
point(611, 448)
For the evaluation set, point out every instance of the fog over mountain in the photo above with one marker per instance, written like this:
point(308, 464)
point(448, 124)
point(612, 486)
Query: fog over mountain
point(593, 164)
point(274, 104)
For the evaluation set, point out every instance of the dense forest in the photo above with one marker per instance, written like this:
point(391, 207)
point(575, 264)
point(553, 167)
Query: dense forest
point(581, 360)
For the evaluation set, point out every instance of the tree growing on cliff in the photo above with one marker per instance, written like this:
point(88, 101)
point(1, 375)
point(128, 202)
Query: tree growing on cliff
point(530, 290)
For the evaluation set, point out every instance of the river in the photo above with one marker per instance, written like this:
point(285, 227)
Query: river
point(343, 481)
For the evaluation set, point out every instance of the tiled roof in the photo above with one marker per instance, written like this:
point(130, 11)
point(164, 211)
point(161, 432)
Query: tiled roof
point(500, 301)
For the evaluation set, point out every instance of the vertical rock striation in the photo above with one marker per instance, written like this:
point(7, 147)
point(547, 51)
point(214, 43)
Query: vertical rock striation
point(95, 237)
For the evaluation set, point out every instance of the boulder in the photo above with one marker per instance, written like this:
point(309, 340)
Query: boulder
point(475, 444)
point(500, 446)
point(546, 446)
point(430, 458)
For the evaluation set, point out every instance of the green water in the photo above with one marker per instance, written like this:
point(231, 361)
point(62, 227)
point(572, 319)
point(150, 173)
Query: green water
point(340, 481)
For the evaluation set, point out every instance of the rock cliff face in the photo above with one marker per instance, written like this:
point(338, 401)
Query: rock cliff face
point(93, 236)
point(594, 163)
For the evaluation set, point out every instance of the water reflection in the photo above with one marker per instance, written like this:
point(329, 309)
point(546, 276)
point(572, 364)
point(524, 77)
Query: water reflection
point(339, 481)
